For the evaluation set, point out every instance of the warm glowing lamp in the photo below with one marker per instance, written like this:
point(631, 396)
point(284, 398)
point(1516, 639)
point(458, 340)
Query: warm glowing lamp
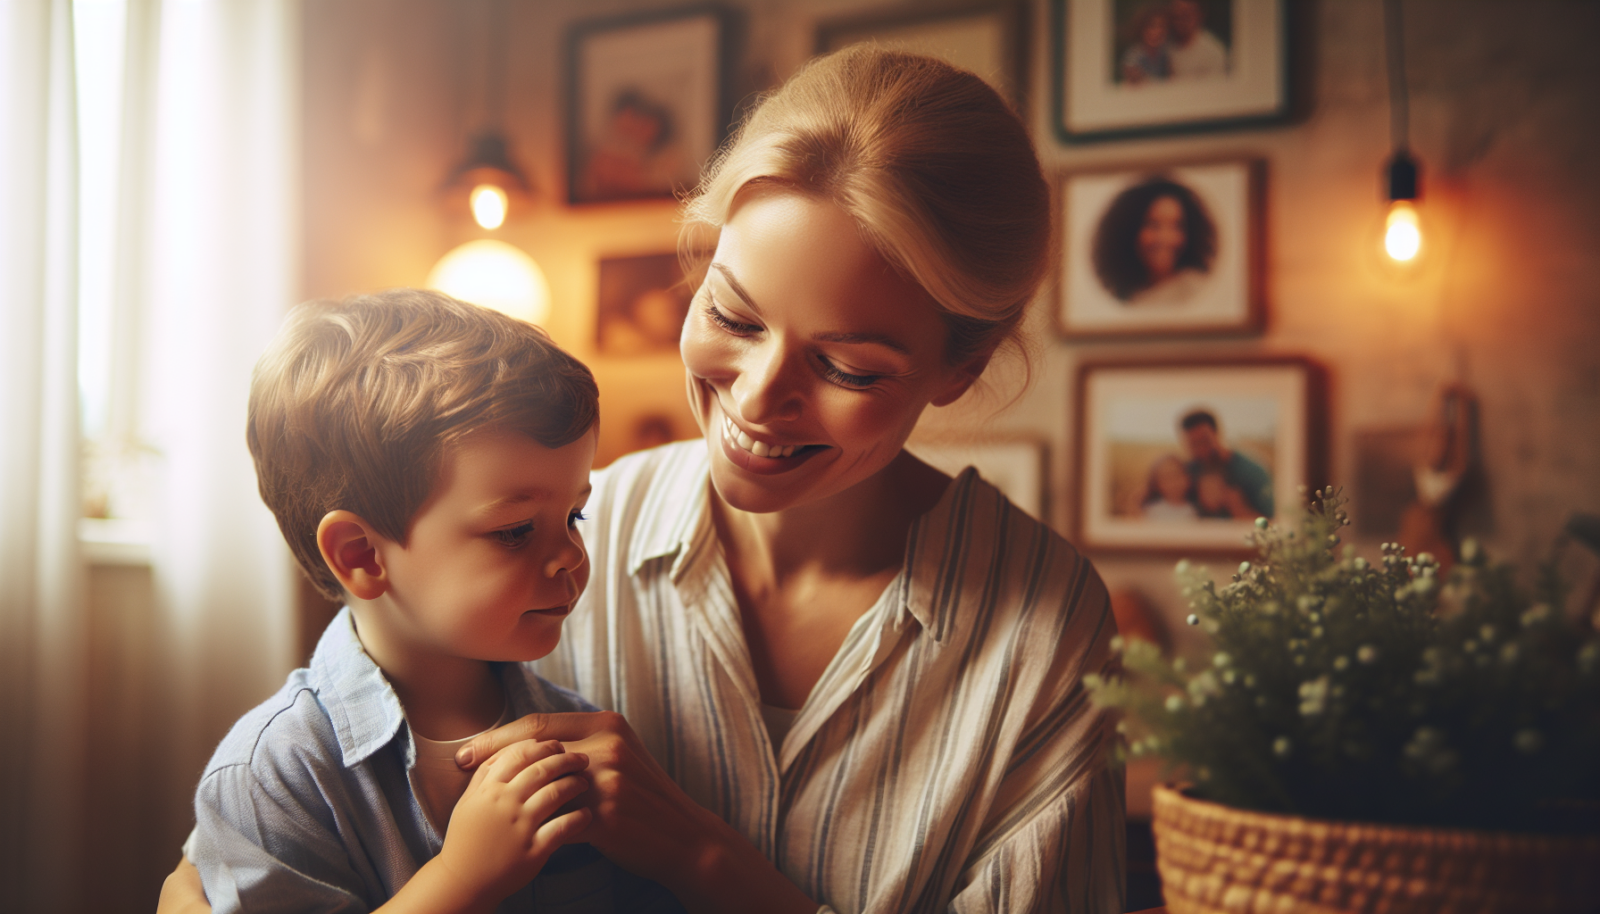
point(1402, 225)
point(1404, 242)
point(489, 179)
point(495, 275)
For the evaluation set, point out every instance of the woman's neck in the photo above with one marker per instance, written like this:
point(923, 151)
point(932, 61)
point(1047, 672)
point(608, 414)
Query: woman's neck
point(858, 533)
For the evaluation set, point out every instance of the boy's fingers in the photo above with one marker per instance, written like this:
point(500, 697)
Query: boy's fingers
point(511, 761)
point(570, 726)
point(565, 828)
point(537, 775)
point(546, 800)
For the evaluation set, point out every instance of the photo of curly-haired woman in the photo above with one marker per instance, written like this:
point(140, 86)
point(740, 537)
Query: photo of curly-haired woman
point(1161, 251)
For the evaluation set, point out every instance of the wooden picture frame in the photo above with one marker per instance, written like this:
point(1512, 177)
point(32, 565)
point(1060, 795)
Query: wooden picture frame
point(1129, 68)
point(984, 36)
point(1015, 467)
point(643, 300)
point(648, 102)
point(1163, 250)
point(1139, 425)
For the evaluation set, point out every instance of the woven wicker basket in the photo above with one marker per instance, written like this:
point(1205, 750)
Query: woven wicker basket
point(1216, 859)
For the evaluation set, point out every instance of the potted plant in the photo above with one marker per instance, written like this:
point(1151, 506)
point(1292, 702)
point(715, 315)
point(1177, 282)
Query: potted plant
point(1369, 736)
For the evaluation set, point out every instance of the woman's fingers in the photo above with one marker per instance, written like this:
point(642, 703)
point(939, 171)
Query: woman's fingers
point(564, 727)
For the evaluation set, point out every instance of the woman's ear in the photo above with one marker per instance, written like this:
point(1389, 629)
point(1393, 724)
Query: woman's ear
point(962, 378)
point(349, 546)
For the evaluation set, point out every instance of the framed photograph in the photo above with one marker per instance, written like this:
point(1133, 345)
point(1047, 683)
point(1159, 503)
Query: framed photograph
point(1126, 68)
point(1162, 251)
point(1016, 468)
point(1182, 457)
point(643, 301)
point(648, 103)
point(984, 37)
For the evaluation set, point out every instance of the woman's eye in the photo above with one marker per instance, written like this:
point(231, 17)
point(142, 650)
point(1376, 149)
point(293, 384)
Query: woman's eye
point(514, 537)
point(845, 379)
point(574, 517)
point(727, 323)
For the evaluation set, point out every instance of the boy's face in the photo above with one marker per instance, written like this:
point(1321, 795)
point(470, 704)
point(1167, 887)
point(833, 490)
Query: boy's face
point(494, 561)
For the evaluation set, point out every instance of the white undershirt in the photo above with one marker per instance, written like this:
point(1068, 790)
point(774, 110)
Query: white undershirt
point(437, 780)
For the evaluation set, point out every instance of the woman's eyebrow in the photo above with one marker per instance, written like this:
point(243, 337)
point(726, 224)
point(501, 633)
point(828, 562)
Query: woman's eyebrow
point(738, 288)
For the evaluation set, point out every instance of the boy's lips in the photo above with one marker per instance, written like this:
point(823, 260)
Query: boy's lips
point(554, 612)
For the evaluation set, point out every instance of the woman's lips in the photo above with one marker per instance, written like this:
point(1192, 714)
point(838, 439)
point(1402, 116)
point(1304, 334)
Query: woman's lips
point(762, 457)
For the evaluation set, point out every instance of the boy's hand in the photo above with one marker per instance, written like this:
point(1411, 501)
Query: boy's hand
point(504, 827)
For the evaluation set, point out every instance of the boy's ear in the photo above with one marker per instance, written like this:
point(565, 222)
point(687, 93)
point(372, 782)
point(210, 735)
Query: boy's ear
point(349, 546)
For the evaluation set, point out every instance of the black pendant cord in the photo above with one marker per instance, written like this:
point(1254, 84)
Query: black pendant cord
point(495, 66)
point(1399, 101)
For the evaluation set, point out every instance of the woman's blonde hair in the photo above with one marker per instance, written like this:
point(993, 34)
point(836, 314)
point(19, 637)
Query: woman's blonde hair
point(933, 165)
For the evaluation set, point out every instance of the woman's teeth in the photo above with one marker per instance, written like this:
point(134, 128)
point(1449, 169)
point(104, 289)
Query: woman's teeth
point(758, 448)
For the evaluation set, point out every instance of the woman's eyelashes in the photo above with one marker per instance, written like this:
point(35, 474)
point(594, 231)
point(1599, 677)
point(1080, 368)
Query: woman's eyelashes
point(844, 378)
point(727, 323)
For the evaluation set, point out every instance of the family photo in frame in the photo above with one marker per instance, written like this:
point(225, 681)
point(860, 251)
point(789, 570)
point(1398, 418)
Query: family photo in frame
point(1126, 68)
point(1184, 456)
point(1162, 251)
point(648, 103)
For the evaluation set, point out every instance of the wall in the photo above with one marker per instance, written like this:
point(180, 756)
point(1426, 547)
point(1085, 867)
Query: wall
point(1503, 101)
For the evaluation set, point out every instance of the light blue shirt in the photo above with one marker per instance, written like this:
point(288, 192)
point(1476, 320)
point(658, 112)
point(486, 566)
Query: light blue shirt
point(308, 803)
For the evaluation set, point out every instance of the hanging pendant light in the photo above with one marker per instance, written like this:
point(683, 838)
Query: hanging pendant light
point(488, 183)
point(1404, 243)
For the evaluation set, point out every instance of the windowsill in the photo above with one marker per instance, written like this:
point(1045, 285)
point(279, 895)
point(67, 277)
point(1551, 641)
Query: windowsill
point(114, 542)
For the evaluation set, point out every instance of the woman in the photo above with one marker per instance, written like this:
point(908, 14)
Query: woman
point(1155, 244)
point(844, 680)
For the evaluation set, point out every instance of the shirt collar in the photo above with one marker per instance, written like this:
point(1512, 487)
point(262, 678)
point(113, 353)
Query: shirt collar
point(363, 707)
point(676, 508)
point(937, 551)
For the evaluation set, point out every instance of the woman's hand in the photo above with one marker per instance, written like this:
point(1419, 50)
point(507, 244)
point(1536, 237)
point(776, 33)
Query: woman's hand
point(646, 824)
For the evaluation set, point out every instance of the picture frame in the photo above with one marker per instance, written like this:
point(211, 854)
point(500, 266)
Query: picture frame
point(984, 36)
point(1162, 250)
point(648, 102)
point(1152, 475)
point(1015, 467)
point(642, 302)
point(1131, 68)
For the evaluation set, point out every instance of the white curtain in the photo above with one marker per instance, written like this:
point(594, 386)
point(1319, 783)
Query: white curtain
point(204, 266)
point(220, 271)
point(42, 644)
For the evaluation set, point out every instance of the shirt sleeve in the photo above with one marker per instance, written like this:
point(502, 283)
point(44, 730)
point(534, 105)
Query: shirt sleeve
point(1069, 857)
point(266, 839)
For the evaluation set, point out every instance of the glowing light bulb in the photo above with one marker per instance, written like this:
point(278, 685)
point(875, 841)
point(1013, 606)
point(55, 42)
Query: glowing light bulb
point(489, 205)
point(1402, 234)
point(495, 275)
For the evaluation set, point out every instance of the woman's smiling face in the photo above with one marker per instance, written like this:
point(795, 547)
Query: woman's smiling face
point(809, 357)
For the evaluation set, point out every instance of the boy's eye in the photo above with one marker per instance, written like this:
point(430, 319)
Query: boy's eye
point(514, 536)
point(574, 517)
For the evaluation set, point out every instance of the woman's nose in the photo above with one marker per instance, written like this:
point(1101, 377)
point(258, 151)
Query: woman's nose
point(768, 387)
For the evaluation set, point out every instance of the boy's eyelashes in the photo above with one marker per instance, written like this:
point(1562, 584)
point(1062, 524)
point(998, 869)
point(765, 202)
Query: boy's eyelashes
point(520, 534)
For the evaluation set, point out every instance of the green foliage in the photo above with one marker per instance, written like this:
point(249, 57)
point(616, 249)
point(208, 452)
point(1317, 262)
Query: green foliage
point(1387, 692)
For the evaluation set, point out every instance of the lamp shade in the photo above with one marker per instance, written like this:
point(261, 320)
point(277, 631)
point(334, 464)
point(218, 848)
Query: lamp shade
point(495, 275)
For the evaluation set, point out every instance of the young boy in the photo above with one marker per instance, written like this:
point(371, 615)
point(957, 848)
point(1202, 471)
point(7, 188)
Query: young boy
point(427, 461)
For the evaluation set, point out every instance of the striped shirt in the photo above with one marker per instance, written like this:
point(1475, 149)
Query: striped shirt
point(948, 758)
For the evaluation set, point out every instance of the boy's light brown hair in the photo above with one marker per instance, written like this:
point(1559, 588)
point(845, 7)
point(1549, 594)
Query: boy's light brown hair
point(355, 401)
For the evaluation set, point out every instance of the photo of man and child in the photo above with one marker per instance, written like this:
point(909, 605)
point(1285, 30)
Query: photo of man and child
point(1196, 462)
point(1161, 40)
